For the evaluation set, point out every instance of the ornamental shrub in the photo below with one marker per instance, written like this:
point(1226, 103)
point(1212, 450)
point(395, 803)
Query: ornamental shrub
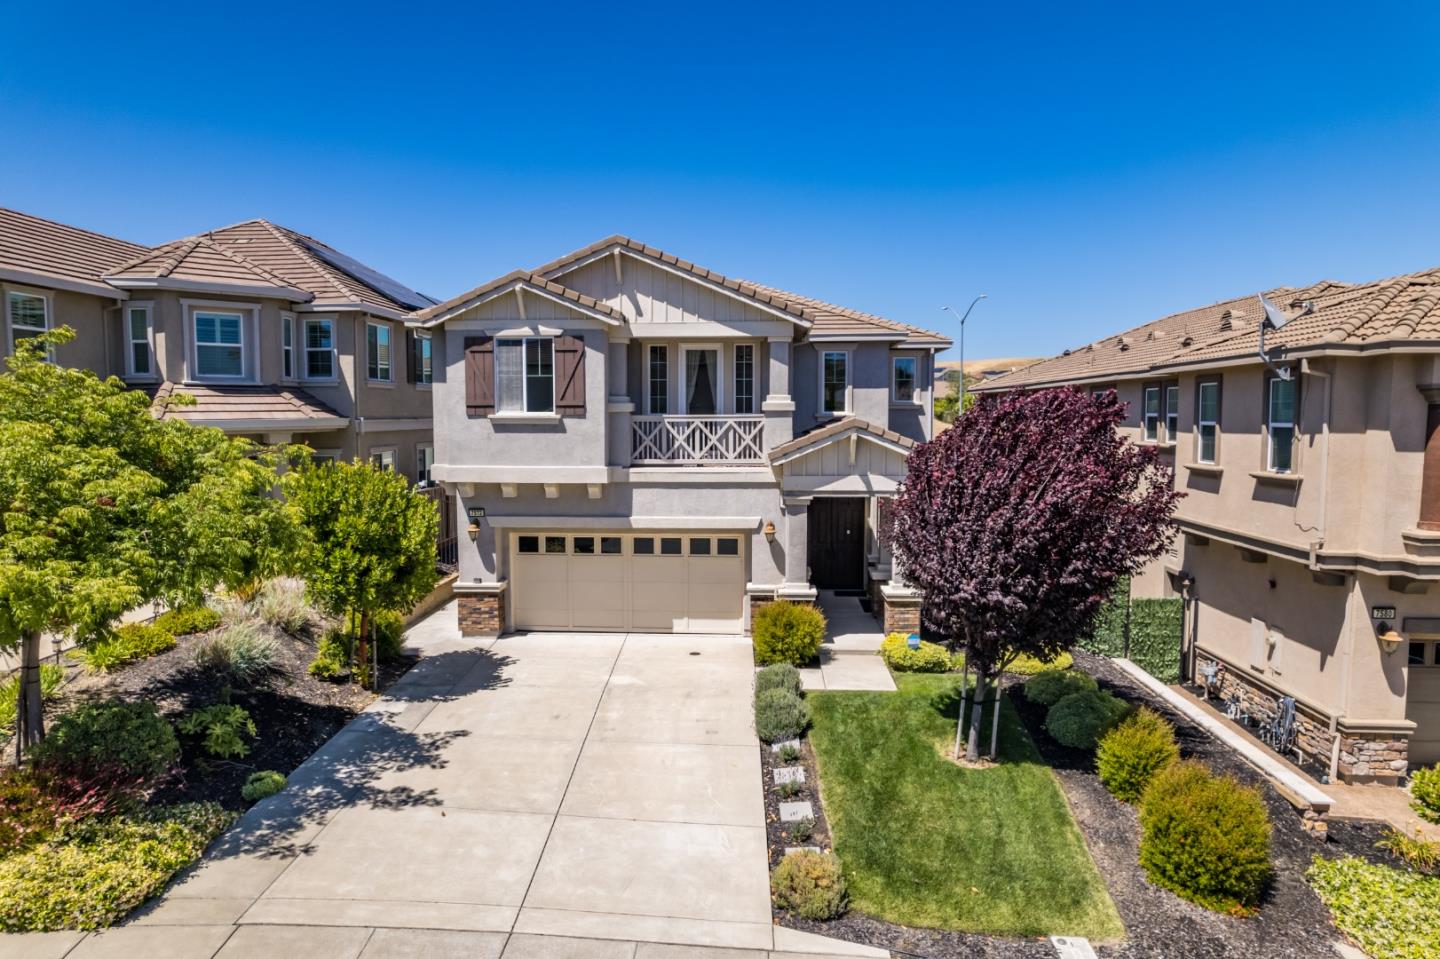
point(1028, 665)
point(1205, 837)
point(125, 645)
point(188, 620)
point(779, 676)
point(1425, 793)
point(786, 632)
point(267, 782)
point(51, 676)
point(281, 603)
point(779, 715)
point(242, 653)
point(389, 633)
point(1081, 719)
point(26, 813)
point(332, 656)
point(1050, 686)
point(1417, 852)
point(1132, 753)
point(93, 873)
point(132, 737)
point(809, 884)
point(224, 728)
point(929, 658)
point(1390, 913)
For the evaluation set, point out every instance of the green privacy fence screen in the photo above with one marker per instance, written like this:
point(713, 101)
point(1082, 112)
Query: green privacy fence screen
point(1154, 626)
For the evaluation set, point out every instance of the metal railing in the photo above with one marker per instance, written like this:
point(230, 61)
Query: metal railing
point(447, 543)
point(697, 440)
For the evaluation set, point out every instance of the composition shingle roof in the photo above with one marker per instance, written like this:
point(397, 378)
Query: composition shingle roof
point(31, 246)
point(222, 405)
point(1386, 313)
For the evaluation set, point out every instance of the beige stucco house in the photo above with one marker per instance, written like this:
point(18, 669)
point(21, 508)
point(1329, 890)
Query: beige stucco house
point(1311, 521)
point(276, 335)
point(640, 443)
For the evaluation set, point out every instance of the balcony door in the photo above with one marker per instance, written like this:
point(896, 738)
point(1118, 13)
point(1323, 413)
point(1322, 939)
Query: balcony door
point(700, 380)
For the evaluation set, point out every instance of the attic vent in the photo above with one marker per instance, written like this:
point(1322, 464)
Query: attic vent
point(1187, 341)
point(1231, 319)
point(1124, 343)
point(1065, 353)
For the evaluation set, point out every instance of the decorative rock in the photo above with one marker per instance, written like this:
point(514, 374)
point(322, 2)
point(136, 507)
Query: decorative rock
point(789, 774)
point(796, 811)
point(792, 850)
point(776, 747)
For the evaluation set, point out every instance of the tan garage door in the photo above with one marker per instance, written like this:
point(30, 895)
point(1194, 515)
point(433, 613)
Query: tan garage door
point(652, 582)
point(1422, 702)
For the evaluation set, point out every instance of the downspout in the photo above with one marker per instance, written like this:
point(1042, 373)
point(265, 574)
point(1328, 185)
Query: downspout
point(1319, 541)
point(930, 398)
point(105, 340)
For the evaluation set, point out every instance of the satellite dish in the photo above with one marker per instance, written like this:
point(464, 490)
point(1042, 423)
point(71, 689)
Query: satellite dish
point(1274, 316)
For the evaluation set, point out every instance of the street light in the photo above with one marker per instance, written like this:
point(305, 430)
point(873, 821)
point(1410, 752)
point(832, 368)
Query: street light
point(966, 316)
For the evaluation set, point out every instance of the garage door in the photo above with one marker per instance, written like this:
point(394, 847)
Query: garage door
point(652, 582)
point(1422, 702)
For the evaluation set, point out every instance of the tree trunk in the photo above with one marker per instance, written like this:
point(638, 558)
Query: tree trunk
point(29, 710)
point(972, 743)
point(995, 724)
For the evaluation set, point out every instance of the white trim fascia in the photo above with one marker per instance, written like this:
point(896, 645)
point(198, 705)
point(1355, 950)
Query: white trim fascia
point(546, 523)
point(301, 424)
point(348, 306)
point(687, 475)
point(509, 288)
point(387, 425)
point(845, 434)
point(854, 484)
point(203, 286)
point(450, 473)
point(98, 288)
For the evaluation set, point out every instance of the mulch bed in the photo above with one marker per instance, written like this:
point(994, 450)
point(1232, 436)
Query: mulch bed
point(1292, 923)
point(294, 713)
point(781, 835)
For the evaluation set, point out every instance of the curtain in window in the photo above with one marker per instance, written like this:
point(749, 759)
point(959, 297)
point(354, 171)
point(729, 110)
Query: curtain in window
point(700, 382)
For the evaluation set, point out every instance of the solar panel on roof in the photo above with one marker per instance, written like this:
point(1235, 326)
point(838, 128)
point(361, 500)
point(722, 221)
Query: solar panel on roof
point(377, 281)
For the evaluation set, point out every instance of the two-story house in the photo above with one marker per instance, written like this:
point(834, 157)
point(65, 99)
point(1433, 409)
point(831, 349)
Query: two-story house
point(1311, 521)
point(639, 443)
point(274, 334)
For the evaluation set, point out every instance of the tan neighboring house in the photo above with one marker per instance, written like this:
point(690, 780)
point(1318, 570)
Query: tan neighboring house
point(276, 335)
point(1310, 553)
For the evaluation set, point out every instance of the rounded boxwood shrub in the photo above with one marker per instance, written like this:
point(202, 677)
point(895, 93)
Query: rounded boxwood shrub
point(1205, 837)
point(778, 676)
point(188, 619)
point(1132, 753)
point(929, 658)
point(1029, 665)
point(786, 632)
point(114, 734)
point(1425, 793)
point(809, 884)
point(1050, 686)
point(779, 715)
point(267, 782)
point(1080, 719)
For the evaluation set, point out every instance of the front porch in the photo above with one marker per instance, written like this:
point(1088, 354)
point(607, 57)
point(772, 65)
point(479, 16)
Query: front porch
point(850, 656)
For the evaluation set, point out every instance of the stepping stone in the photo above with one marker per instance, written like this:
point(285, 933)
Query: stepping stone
point(776, 747)
point(796, 811)
point(792, 850)
point(1072, 947)
point(789, 774)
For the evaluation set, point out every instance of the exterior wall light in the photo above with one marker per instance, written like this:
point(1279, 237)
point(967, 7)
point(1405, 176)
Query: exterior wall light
point(769, 531)
point(476, 514)
point(1389, 639)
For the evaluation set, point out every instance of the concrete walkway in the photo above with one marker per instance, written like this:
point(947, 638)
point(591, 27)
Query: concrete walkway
point(848, 657)
point(583, 795)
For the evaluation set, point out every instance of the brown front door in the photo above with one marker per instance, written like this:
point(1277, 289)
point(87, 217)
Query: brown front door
point(837, 542)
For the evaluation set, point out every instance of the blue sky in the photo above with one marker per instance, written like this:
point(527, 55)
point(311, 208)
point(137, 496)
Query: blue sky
point(1088, 168)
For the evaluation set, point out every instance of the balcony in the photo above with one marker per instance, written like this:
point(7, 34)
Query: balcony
point(697, 440)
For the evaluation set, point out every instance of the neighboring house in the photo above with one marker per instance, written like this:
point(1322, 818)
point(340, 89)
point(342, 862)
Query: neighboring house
point(1311, 522)
point(639, 443)
point(275, 334)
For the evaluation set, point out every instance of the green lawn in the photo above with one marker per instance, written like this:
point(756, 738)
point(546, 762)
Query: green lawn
point(926, 843)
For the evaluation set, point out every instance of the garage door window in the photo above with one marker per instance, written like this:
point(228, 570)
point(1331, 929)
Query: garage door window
point(610, 545)
point(554, 544)
point(584, 546)
point(699, 546)
point(669, 546)
point(1424, 654)
point(644, 546)
point(529, 544)
point(727, 547)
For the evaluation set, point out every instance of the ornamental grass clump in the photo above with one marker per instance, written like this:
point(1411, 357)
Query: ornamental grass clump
point(786, 632)
point(1081, 719)
point(281, 603)
point(125, 645)
point(778, 676)
point(1425, 793)
point(1132, 753)
point(242, 653)
point(929, 658)
point(810, 884)
point(779, 715)
point(1048, 687)
point(1206, 838)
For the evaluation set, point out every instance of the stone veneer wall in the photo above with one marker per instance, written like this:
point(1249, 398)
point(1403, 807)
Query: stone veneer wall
point(482, 614)
point(1364, 757)
point(902, 617)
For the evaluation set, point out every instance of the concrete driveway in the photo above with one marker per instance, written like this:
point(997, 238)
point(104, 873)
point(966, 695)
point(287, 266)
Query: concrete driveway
point(541, 794)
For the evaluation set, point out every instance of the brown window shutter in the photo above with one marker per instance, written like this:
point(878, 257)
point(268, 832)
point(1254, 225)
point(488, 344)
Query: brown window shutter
point(570, 375)
point(479, 375)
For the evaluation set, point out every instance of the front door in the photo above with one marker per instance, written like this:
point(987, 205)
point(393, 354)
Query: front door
point(837, 542)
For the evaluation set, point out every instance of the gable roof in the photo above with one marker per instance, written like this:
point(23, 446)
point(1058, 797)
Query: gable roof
point(834, 432)
point(199, 263)
point(504, 284)
point(840, 321)
point(46, 253)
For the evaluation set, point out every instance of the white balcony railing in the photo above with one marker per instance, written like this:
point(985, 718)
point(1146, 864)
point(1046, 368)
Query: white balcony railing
point(697, 440)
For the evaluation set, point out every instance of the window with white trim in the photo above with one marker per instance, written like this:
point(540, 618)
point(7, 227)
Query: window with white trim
point(287, 346)
point(29, 315)
point(657, 395)
point(744, 378)
point(525, 375)
point(379, 360)
point(834, 381)
point(903, 377)
point(1172, 413)
point(424, 459)
point(1280, 425)
point(1207, 421)
point(384, 458)
point(319, 349)
point(424, 360)
point(1152, 414)
point(219, 344)
point(139, 354)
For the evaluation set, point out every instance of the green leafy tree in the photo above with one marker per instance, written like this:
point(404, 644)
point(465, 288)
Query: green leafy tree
point(103, 508)
point(368, 544)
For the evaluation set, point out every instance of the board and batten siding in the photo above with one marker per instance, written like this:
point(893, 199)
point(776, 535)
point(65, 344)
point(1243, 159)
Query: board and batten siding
point(649, 294)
